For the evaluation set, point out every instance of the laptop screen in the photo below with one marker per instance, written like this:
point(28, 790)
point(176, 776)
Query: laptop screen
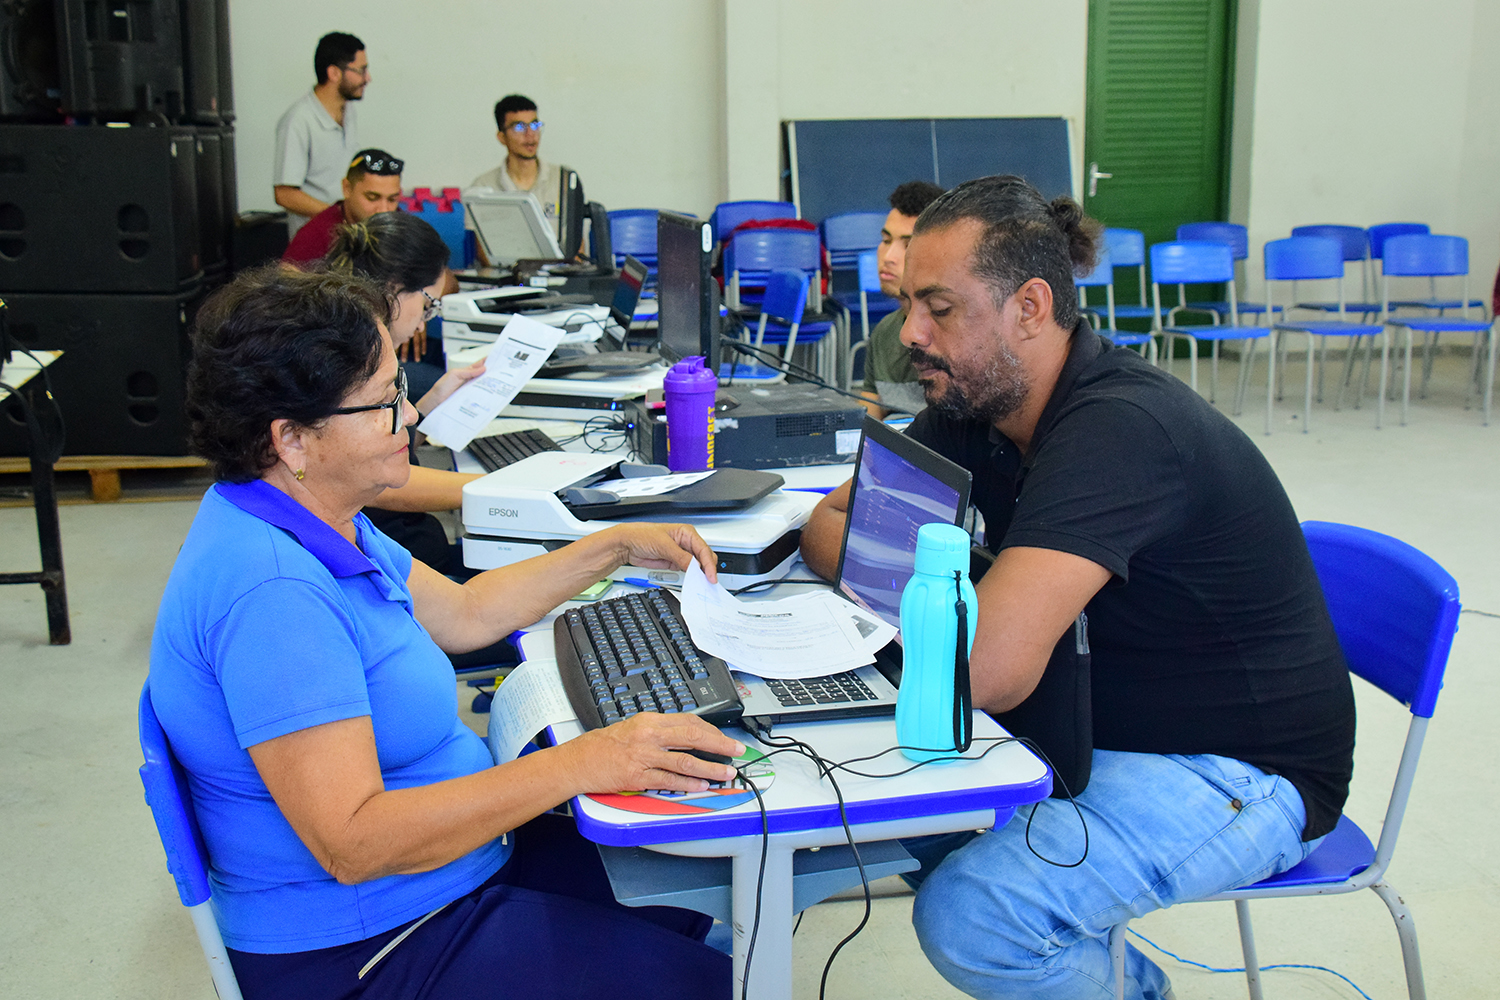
point(893, 496)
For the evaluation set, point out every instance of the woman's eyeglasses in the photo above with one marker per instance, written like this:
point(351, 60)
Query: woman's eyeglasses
point(432, 308)
point(396, 406)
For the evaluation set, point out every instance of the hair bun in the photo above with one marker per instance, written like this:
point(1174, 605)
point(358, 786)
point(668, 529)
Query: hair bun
point(1082, 232)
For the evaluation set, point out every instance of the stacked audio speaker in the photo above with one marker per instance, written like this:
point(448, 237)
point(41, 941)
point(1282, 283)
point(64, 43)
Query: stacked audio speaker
point(117, 205)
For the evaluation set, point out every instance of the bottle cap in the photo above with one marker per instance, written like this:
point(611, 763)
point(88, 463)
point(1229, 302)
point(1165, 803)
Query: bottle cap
point(689, 375)
point(941, 549)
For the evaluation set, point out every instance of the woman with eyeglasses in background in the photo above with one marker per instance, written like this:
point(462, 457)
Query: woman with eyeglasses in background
point(408, 260)
point(361, 841)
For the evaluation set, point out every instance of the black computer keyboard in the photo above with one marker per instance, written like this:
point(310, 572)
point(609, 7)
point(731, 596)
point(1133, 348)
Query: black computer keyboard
point(500, 450)
point(633, 654)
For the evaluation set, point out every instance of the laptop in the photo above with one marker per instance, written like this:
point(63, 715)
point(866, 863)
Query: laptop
point(602, 364)
point(898, 486)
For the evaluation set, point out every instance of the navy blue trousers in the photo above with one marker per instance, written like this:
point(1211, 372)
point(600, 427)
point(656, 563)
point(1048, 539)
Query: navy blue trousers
point(545, 926)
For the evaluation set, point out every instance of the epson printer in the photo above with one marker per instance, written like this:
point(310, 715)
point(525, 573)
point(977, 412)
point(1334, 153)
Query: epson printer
point(545, 501)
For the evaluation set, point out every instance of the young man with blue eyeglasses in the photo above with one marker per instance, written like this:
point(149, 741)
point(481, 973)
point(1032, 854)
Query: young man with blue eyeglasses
point(523, 170)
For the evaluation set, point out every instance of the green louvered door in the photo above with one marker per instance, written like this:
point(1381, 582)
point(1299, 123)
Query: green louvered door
point(1157, 115)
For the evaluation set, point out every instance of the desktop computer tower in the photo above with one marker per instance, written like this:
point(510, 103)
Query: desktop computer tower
point(91, 209)
point(120, 382)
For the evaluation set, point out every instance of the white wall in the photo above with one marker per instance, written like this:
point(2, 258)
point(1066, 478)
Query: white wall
point(1388, 115)
point(635, 111)
point(788, 59)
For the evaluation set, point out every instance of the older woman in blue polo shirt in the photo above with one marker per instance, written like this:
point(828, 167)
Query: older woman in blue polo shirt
point(361, 842)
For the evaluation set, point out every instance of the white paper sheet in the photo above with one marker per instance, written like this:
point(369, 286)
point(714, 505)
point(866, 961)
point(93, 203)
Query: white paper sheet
point(807, 635)
point(652, 486)
point(528, 701)
point(512, 360)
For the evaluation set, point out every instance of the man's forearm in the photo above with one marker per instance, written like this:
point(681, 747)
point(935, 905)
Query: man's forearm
point(294, 199)
point(872, 404)
point(823, 534)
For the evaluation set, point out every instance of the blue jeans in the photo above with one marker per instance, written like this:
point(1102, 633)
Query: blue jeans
point(997, 921)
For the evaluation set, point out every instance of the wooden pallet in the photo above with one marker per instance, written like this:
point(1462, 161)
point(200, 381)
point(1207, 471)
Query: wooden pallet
point(104, 470)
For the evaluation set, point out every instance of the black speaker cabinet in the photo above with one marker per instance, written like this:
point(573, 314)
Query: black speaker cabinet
point(200, 60)
point(120, 381)
point(213, 225)
point(121, 57)
point(93, 209)
point(226, 75)
point(29, 88)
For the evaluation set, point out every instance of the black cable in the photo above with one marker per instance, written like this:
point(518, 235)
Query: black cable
point(50, 445)
point(751, 588)
point(802, 374)
point(760, 880)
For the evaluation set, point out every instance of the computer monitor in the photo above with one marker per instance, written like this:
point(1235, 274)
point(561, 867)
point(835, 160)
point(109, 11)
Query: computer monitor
point(571, 211)
point(601, 249)
point(899, 485)
point(510, 226)
point(686, 292)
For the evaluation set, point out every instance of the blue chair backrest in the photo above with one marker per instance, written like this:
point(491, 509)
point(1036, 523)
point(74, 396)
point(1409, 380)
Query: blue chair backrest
point(1379, 234)
point(852, 231)
point(1127, 247)
point(1355, 241)
point(632, 231)
point(786, 295)
point(171, 803)
point(1102, 274)
point(869, 272)
point(1422, 255)
point(1191, 262)
point(1231, 233)
point(1395, 610)
point(729, 214)
point(765, 249)
point(1304, 258)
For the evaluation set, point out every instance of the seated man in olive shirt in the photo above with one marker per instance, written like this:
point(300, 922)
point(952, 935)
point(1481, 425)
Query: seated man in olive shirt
point(1222, 713)
point(890, 380)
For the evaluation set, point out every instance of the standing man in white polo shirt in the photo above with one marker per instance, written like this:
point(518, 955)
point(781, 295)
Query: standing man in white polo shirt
point(318, 136)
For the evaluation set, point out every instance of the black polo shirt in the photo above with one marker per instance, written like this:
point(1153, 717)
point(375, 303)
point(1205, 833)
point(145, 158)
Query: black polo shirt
point(1213, 635)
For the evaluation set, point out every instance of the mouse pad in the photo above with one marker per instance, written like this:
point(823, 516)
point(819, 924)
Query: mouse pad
point(752, 763)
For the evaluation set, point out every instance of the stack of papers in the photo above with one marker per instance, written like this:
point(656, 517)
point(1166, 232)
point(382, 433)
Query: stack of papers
point(808, 635)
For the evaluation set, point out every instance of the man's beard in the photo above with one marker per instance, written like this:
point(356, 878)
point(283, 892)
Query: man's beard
point(349, 93)
point(988, 393)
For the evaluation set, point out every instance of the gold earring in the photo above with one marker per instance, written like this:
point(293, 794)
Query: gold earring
point(298, 474)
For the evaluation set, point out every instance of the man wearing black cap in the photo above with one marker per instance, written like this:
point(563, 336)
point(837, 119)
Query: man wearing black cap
point(371, 186)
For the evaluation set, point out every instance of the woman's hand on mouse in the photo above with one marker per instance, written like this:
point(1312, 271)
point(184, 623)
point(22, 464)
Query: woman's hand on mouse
point(638, 754)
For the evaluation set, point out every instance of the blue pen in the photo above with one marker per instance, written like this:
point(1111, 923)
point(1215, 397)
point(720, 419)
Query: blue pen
point(641, 581)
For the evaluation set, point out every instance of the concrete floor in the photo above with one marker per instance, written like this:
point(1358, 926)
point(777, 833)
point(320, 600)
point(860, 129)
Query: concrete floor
point(87, 909)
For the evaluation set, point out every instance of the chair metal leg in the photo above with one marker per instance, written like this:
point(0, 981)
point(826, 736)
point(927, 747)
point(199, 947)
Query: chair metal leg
point(1406, 929)
point(1348, 376)
point(1117, 957)
point(1429, 348)
point(1385, 369)
point(1322, 361)
point(1213, 386)
point(1247, 361)
point(1406, 382)
point(1307, 389)
point(1281, 385)
point(1270, 376)
point(1489, 382)
point(1193, 360)
point(1364, 380)
point(1247, 946)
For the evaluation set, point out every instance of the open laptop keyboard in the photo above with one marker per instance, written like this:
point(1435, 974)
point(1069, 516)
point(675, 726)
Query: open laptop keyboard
point(832, 689)
point(633, 654)
point(500, 450)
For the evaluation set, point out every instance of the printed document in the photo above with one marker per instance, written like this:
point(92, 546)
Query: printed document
point(807, 635)
point(527, 701)
point(515, 357)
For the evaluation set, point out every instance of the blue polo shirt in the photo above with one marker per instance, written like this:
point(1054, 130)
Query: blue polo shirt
point(271, 623)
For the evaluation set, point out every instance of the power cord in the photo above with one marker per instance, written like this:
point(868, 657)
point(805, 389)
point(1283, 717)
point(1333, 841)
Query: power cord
point(801, 373)
point(1241, 969)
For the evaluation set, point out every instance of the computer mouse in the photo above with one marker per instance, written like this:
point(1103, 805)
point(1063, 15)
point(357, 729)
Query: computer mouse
point(712, 758)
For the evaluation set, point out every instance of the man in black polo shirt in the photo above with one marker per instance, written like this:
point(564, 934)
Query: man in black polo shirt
point(1223, 718)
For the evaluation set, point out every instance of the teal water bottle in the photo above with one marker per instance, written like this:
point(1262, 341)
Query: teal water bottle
point(933, 709)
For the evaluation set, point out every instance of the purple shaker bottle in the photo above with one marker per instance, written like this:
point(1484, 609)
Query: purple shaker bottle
point(689, 389)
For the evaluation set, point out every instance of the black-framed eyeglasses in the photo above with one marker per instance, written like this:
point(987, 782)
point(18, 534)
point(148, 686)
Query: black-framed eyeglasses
point(396, 406)
point(384, 165)
point(521, 128)
point(363, 71)
point(432, 308)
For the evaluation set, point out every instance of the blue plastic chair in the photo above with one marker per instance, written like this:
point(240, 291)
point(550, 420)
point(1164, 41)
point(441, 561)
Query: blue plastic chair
point(1425, 255)
point(869, 287)
point(729, 214)
point(1190, 262)
point(171, 803)
point(848, 235)
point(1386, 230)
point(632, 233)
point(1319, 258)
point(784, 303)
point(1356, 244)
point(1127, 248)
point(1103, 275)
point(1395, 611)
point(848, 238)
point(751, 254)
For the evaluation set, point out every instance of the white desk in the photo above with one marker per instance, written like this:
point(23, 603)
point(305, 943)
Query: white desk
point(16, 373)
point(802, 812)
